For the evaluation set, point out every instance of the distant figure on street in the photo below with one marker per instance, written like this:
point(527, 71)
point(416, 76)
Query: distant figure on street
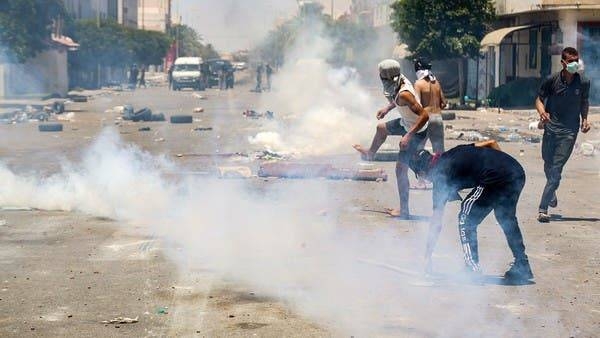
point(563, 104)
point(269, 73)
point(229, 77)
point(170, 75)
point(496, 180)
point(259, 72)
point(133, 76)
point(143, 76)
point(205, 74)
point(222, 76)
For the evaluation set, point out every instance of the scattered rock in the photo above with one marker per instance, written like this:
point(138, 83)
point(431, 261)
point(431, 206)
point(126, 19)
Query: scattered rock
point(121, 320)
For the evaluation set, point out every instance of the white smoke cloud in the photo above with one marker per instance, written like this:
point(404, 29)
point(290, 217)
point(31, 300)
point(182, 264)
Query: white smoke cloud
point(327, 109)
point(348, 279)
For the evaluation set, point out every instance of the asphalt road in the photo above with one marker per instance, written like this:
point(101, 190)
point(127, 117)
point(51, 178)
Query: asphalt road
point(68, 267)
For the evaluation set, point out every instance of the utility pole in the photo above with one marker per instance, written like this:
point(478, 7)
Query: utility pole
point(143, 12)
point(177, 39)
point(332, 4)
point(98, 26)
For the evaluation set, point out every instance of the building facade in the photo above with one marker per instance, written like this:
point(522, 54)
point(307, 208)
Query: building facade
point(530, 36)
point(91, 9)
point(154, 15)
point(122, 11)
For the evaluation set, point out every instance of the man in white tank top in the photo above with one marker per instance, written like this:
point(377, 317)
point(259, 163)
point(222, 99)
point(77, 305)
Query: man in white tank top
point(412, 126)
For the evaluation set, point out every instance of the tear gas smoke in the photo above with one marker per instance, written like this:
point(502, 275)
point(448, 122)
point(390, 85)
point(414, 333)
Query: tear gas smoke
point(232, 25)
point(328, 110)
point(274, 241)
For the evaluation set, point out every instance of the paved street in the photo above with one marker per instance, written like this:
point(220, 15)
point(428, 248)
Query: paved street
point(103, 221)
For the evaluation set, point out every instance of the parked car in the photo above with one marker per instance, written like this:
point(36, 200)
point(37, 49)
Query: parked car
point(215, 66)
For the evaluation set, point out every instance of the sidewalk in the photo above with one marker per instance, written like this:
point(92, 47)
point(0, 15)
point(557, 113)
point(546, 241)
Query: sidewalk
point(39, 102)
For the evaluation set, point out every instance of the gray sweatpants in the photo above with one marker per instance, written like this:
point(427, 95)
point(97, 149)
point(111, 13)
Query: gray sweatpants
point(556, 150)
point(435, 132)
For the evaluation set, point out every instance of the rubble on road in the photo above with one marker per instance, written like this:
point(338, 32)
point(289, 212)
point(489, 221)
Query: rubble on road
point(234, 172)
point(268, 155)
point(145, 114)
point(588, 148)
point(253, 114)
point(32, 114)
point(316, 170)
point(213, 155)
point(121, 320)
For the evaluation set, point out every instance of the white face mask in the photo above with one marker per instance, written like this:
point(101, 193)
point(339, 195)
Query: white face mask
point(572, 67)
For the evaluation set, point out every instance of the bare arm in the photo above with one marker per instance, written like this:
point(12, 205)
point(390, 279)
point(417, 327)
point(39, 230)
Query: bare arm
point(443, 103)
point(541, 109)
point(381, 113)
point(585, 106)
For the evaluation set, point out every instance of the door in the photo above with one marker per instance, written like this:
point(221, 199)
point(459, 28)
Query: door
point(590, 54)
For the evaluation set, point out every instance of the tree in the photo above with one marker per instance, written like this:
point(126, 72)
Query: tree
point(112, 45)
point(107, 45)
point(441, 29)
point(148, 47)
point(26, 26)
point(345, 35)
point(190, 42)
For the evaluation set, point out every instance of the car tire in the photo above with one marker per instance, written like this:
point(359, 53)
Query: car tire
point(181, 119)
point(447, 116)
point(50, 127)
point(160, 117)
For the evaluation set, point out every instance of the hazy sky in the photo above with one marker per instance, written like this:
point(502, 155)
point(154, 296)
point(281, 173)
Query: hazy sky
point(236, 24)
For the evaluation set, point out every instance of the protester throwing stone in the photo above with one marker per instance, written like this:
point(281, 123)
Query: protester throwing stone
point(411, 125)
point(496, 180)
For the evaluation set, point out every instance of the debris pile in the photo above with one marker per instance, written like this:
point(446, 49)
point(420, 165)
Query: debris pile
point(32, 114)
point(145, 114)
point(318, 170)
point(253, 114)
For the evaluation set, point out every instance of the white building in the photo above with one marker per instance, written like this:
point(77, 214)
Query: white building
point(42, 75)
point(127, 13)
point(530, 36)
point(154, 15)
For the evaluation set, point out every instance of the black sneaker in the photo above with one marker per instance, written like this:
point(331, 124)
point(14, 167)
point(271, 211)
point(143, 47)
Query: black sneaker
point(543, 217)
point(519, 270)
point(553, 202)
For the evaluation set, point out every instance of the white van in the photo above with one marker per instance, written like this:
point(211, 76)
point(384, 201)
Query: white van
point(186, 73)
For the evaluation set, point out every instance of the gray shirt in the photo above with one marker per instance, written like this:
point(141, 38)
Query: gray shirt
point(565, 101)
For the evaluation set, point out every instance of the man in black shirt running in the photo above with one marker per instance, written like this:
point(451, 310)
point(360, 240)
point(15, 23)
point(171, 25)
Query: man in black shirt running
point(497, 180)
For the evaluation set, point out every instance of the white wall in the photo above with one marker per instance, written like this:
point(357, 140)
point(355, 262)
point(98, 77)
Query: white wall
point(152, 14)
point(45, 74)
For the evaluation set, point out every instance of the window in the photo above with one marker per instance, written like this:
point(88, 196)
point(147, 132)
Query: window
point(533, 48)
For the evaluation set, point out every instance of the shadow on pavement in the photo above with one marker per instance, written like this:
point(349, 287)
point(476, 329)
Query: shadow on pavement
point(560, 218)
